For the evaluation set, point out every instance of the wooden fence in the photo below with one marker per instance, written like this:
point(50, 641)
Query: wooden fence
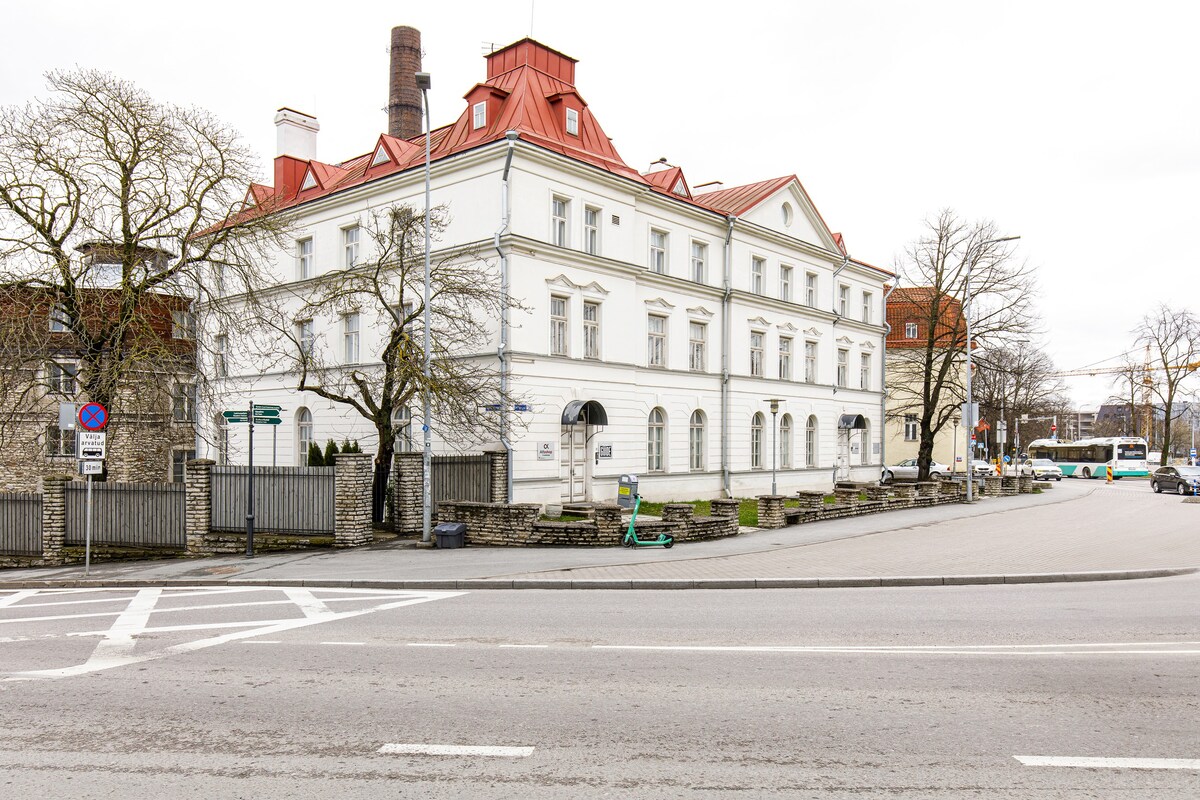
point(127, 514)
point(466, 478)
point(286, 499)
point(21, 524)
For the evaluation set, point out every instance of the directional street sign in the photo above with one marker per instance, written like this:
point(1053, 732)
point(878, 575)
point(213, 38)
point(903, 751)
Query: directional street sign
point(93, 417)
point(236, 416)
point(265, 411)
point(266, 420)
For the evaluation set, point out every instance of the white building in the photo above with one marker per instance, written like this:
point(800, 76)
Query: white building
point(660, 321)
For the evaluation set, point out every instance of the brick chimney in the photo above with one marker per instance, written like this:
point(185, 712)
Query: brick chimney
point(404, 98)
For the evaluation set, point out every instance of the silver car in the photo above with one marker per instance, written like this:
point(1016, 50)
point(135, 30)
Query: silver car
point(1042, 469)
point(907, 470)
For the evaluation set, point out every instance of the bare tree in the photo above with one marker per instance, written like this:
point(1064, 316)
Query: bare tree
point(386, 291)
point(120, 216)
point(1014, 380)
point(1173, 339)
point(926, 380)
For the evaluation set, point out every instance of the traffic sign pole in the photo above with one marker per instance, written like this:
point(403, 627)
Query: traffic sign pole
point(250, 488)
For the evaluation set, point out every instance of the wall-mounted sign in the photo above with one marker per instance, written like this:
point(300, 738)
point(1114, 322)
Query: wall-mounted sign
point(545, 451)
point(604, 451)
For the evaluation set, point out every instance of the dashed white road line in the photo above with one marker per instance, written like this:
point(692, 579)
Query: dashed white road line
point(429, 644)
point(525, 646)
point(349, 644)
point(455, 750)
point(263, 641)
point(1086, 762)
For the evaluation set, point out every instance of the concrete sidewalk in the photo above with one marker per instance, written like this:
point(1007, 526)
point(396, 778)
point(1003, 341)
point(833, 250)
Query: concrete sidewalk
point(1080, 530)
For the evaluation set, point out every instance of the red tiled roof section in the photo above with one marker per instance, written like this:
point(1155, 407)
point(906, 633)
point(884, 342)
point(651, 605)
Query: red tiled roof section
point(666, 180)
point(740, 199)
point(915, 305)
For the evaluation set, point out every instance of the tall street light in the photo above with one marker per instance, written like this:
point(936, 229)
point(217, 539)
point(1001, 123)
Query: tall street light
point(423, 83)
point(970, 410)
point(774, 445)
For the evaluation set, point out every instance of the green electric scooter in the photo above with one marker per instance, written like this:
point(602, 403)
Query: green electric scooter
point(631, 538)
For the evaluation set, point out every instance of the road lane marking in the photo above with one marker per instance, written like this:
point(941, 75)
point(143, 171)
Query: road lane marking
point(455, 750)
point(429, 644)
point(1161, 648)
point(351, 644)
point(1085, 762)
point(531, 646)
point(307, 602)
point(178, 609)
point(16, 597)
point(263, 641)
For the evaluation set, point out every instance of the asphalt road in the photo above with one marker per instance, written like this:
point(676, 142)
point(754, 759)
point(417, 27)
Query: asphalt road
point(908, 692)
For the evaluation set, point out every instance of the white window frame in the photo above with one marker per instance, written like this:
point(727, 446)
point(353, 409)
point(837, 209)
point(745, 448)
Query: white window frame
point(351, 337)
point(843, 299)
point(591, 330)
point(699, 261)
point(910, 330)
point(591, 230)
point(560, 208)
point(62, 378)
point(479, 115)
point(660, 243)
point(351, 240)
point(757, 340)
point(221, 355)
point(697, 346)
point(810, 361)
point(183, 325)
point(811, 441)
point(758, 271)
point(183, 402)
point(868, 300)
point(810, 289)
point(306, 336)
point(911, 427)
point(656, 340)
point(560, 331)
point(785, 441)
point(843, 367)
point(785, 282)
point(60, 321)
point(785, 358)
point(758, 424)
point(864, 371)
point(304, 258)
point(696, 454)
point(572, 122)
point(656, 439)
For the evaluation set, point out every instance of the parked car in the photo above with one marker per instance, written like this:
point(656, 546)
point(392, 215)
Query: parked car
point(1042, 469)
point(907, 470)
point(1180, 480)
point(981, 468)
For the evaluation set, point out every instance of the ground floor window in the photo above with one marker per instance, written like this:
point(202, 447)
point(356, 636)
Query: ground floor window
point(179, 459)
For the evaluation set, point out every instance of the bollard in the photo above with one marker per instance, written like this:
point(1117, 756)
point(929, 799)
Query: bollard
point(1109, 471)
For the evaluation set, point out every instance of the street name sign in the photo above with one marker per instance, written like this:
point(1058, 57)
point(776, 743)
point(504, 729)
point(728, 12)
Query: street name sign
point(236, 416)
point(266, 420)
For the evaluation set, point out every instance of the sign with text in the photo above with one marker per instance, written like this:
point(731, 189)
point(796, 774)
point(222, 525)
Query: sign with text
point(91, 467)
point(90, 445)
point(545, 451)
point(604, 451)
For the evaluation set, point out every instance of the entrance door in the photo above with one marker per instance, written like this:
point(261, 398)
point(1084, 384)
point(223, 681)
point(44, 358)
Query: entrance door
point(575, 468)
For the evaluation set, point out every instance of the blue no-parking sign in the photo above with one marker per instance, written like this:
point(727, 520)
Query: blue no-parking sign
point(93, 417)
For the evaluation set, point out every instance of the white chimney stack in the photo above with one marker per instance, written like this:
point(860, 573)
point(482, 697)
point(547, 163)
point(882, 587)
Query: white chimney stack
point(296, 134)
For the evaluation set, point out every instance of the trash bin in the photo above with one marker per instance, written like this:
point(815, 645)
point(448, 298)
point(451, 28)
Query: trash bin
point(627, 489)
point(449, 534)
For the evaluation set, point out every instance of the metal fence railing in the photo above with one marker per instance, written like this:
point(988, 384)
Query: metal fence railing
point(20, 524)
point(286, 499)
point(128, 514)
point(459, 478)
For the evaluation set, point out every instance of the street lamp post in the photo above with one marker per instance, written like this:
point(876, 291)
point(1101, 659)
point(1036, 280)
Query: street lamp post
point(970, 410)
point(423, 83)
point(774, 445)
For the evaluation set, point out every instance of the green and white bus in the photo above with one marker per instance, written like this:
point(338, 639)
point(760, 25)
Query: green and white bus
point(1088, 458)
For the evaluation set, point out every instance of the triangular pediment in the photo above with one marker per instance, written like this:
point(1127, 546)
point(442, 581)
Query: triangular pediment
point(813, 332)
point(563, 282)
point(310, 180)
point(867, 345)
point(700, 311)
point(780, 204)
point(759, 322)
point(659, 302)
point(845, 340)
point(594, 288)
point(789, 327)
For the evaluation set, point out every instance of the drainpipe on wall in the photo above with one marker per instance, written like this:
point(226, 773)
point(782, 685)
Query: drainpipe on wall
point(726, 345)
point(887, 330)
point(837, 317)
point(502, 351)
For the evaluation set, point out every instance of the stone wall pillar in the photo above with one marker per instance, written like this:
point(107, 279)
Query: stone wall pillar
point(497, 474)
point(1026, 484)
point(353, 474)
point(407, 486)
point(54, 518)
point(198, 505)
point(609, 525)
point(770, 511)
point(725, 507)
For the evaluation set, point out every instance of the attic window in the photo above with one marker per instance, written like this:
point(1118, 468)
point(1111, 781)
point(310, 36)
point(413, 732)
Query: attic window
point(249, 203)
point(478, 115)
point(787, 215)
point(680, 189)
point(572, 122)
point(310, 181)
point(381, 157)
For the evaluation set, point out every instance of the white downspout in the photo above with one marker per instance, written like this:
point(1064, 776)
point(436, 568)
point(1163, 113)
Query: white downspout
point(726, 346)
point(502, 351)
point(887, 330)
point(837, 317)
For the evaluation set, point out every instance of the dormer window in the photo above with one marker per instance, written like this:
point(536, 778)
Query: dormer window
point(310, 181)
point(381, 157)
point(478, 115)
point(680, 189)
point(572, 122)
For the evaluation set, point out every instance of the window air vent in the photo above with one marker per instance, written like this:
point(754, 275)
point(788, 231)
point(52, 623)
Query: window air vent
point(616, 220)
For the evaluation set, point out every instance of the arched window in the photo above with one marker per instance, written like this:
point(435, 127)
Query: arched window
point(221, 445)
point(785, 441)
point(304, 435)
point(864, 439)
point(656, 435)
point(402, 428)
point(756, 438)
point(810, 442)
point(696, 441)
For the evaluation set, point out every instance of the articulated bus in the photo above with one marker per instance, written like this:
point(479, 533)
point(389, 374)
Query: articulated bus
point(1088, 458)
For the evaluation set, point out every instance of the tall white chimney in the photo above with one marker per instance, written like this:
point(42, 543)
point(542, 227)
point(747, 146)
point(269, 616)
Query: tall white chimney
point(296, 134)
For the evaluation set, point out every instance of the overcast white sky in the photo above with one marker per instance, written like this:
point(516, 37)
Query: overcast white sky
point(1072, 124)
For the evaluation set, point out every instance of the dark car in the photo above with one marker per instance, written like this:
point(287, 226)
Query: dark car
point(1180, 480)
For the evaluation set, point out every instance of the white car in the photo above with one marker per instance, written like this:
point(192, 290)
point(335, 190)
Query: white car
point(1043, 469)
point(907, 470)
point(981, 468)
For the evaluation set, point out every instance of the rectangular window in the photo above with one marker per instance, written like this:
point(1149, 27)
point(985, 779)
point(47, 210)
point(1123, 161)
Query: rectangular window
point(785, 283)
point(910, 427)
point(864, 371)
point(350, 337)
point(757, 267)
point(699, 262)
point(220, 350)
point(61, 378)
point(810, 362)
point(756, 354)
point(572, 122)
point(350, 246)
point(591, 330)
point(910, 330)
point(179, 459)
point(183, 325)
point(59, 442)
point(558, 221)
point(219, 280)
point(867, 302)
point(558, 326)
point(785, 358)
point(305, 336)
point(843, 367)
point(304, 259)
point(658, 251)
point(697, 346)
point(591, 230)
point(478, 115)
point(656, 341)
point(59, 320)
point(810, 289)
point(183, 402)
point(843, 300)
